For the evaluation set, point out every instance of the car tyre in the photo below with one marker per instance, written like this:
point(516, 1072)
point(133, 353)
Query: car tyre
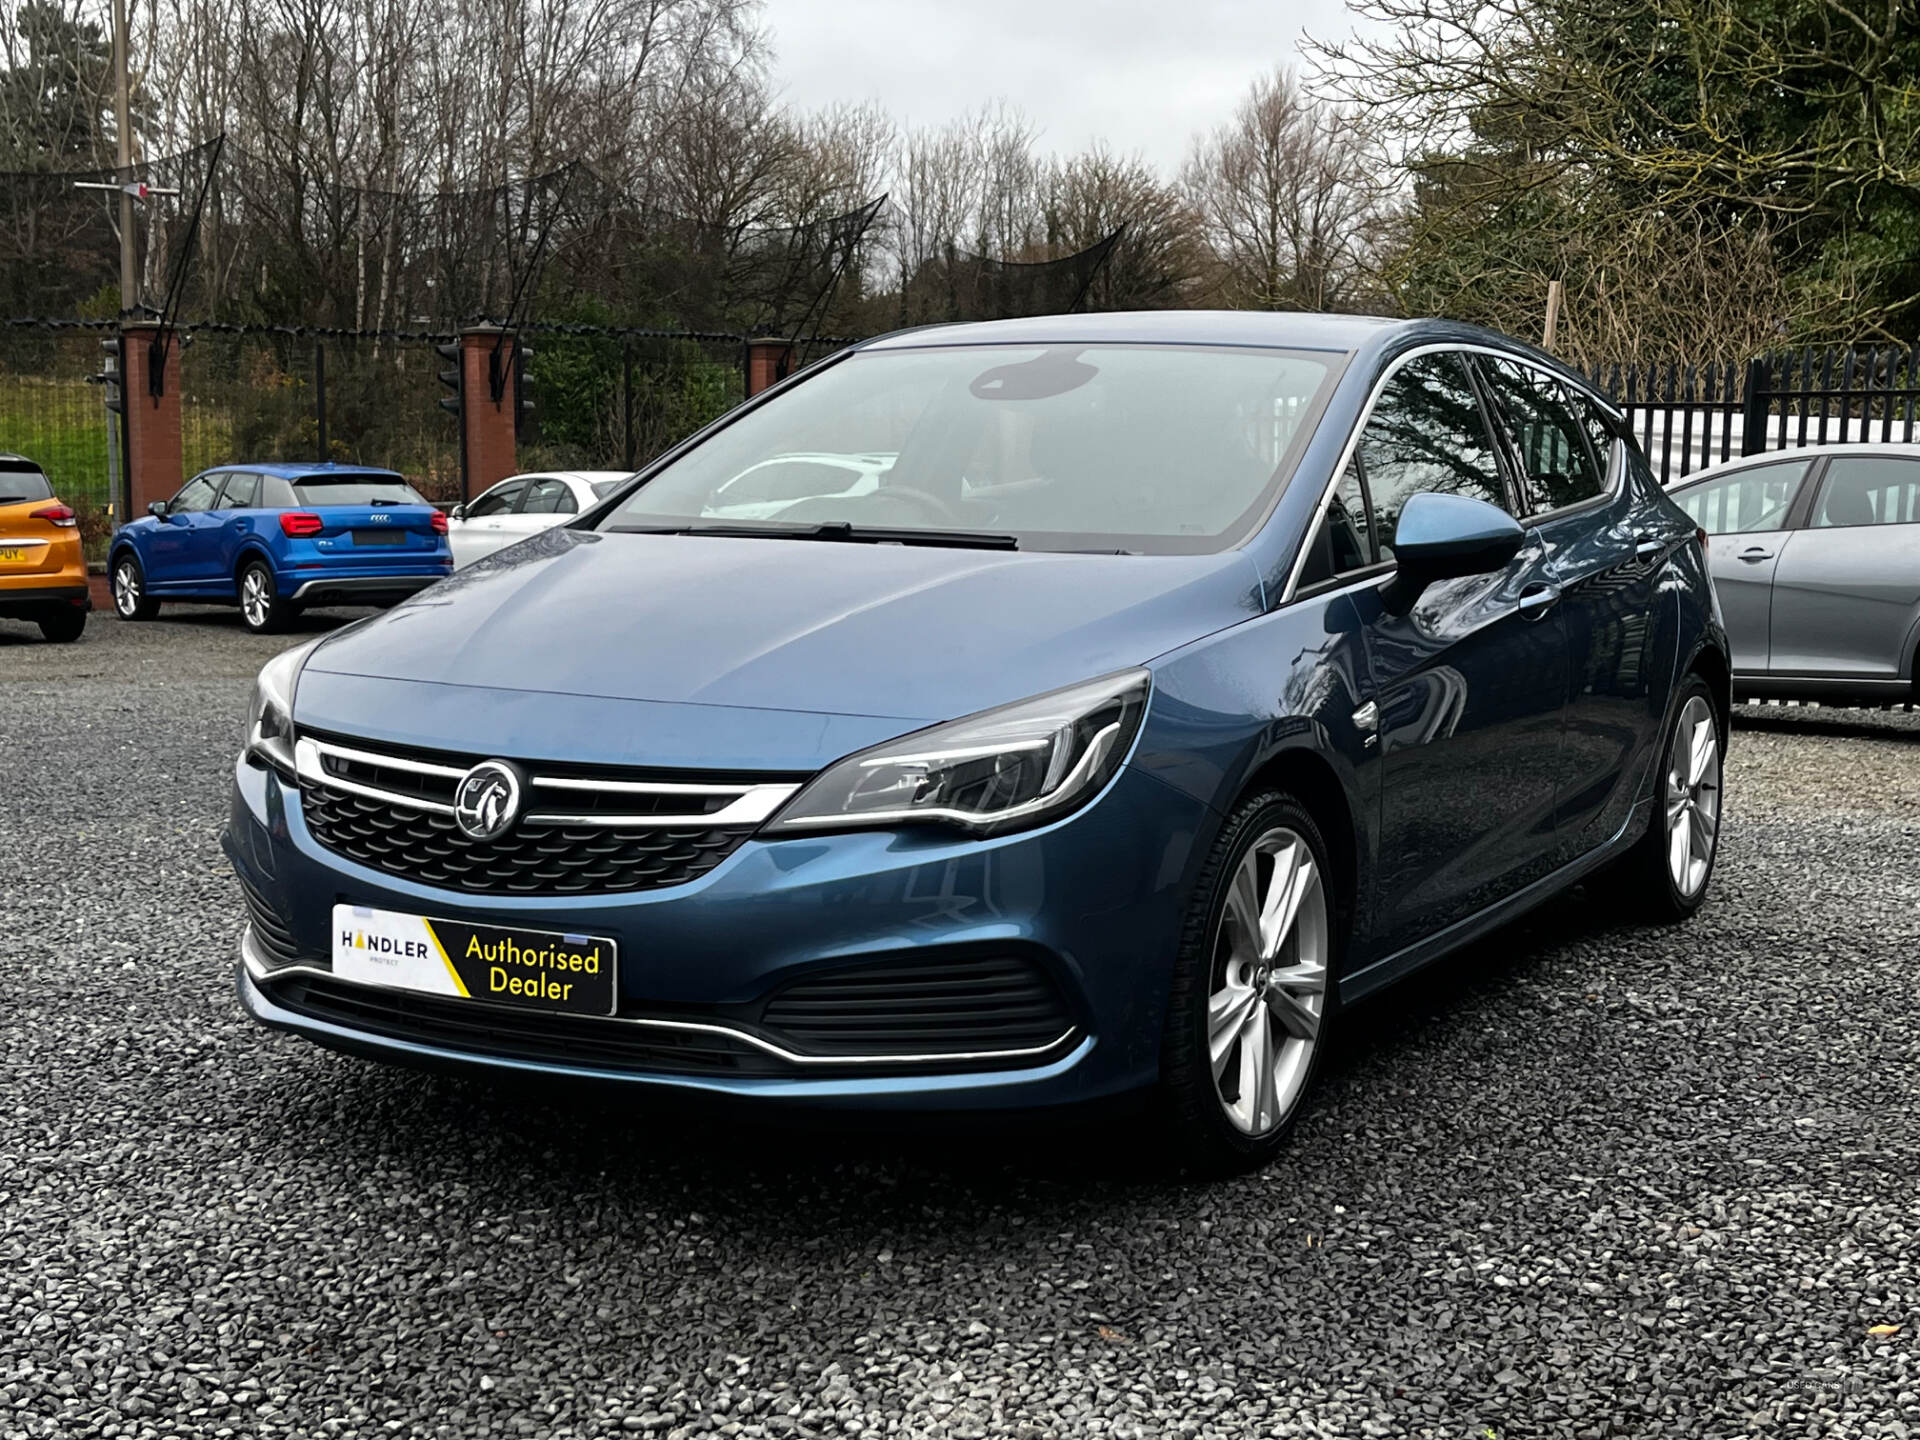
point(1666, 875)
point(64, 625)
point(129, 586)
point(1252, 999)
point(261, 609)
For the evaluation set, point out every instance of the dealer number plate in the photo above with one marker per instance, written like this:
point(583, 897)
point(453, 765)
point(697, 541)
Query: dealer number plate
point(502, 965)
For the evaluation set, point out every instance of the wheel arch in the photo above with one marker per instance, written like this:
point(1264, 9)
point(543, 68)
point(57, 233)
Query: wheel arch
point(1709, 662)
point(1310, 778)
point(250, 551)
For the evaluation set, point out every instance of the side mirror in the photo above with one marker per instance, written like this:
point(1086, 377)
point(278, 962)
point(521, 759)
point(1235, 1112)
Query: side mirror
point(1441, 537)
point(458, 512)
point(157, 507)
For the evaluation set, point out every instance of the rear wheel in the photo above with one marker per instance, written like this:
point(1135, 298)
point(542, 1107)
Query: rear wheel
point(130, 598)
point(1252, 991)
point(261, 608)
point(1667, 872)
point(64, 625)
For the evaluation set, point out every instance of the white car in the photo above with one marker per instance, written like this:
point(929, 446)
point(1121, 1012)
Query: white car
point(523, 505)
point(762, 491)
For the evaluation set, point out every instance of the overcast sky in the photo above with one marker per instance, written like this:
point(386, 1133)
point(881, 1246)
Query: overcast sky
point(1143, 75)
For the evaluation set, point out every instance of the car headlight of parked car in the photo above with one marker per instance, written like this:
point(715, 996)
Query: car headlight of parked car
point(1004, 769)
point(269, 735)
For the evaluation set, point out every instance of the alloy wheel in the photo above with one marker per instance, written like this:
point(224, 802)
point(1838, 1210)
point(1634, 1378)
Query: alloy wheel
point(255, 601)
point(126, 589)
point(1693, 797)
point(1268, 991)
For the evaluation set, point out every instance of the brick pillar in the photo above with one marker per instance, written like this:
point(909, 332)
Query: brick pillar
point(488, 424)
point(768, 362)
point(153, 421)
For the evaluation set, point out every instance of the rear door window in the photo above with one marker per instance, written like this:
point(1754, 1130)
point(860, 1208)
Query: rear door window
point(1427, 432)
point(1557, 466)
point(240, 492)
point(1858, 490)
point(1750, 500)
point(367, 489)
point(548, 497)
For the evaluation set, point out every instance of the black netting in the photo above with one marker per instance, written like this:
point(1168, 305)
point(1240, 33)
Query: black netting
point(278, 242)
point(60, 236)
point(960, 287)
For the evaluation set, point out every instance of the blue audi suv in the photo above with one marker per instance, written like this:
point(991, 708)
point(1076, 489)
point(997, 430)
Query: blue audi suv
point(274, 539)
point(1183, 679)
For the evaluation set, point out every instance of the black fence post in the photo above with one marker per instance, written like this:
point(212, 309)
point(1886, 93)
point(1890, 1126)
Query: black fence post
point(320, 394)
point(1756, 406)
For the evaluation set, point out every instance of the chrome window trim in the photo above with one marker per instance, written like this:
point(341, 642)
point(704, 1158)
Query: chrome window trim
point(263, 974)
point(752, 803)
point(1449, 347)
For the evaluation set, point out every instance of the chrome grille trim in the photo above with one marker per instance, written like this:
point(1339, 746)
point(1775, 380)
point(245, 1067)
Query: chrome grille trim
point(750, 803)
point(264, 975)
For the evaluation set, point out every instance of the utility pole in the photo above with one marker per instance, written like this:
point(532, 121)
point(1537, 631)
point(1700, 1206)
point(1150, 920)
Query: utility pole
point(1553, 316)
point(123, 139)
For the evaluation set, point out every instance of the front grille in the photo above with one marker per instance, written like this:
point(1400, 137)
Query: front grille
point(583, 832)
point(943, 1007)
point(528, 1035)
point(530, 860)
point(271, 935)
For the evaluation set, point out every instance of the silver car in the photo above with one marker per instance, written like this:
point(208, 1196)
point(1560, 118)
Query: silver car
point(1816, 555)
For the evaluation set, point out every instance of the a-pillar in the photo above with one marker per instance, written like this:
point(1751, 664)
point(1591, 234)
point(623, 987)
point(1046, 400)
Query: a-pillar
point(153, 421)
point(486, 423)
point(768, 363)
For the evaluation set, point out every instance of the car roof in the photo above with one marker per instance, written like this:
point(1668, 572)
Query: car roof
point(1287, 330)
point(1886, 449)
point(292, 470)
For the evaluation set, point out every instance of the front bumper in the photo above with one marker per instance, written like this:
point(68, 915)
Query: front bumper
point(1095, 900)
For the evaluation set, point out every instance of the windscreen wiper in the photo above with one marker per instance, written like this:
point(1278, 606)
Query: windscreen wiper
point(843, 532)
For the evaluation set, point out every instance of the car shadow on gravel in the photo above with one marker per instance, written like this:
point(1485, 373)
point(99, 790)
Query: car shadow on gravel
point(227, 617)
point(1831, 724)
point(532, 1142)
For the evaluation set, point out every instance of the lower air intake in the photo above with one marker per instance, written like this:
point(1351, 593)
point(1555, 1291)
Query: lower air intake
point(944, 1006)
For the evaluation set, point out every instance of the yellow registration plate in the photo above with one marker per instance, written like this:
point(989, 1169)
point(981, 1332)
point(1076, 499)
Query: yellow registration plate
point(14, 554)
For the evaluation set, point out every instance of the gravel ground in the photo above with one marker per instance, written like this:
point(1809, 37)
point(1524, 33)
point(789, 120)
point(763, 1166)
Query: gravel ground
point(1586, 1180)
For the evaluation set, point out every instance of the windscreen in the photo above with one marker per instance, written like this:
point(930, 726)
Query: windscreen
point(372, 489)
point(1148, 448)
point(22, 484)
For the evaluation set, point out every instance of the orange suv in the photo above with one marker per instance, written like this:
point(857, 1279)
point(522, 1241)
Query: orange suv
point(43, 574)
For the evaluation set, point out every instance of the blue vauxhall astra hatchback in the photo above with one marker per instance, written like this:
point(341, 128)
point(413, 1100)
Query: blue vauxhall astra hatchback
point(1142, 691)
point(274, 539)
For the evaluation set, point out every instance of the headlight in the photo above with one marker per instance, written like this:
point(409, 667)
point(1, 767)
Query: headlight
point(1020, 765)
point(269, 736)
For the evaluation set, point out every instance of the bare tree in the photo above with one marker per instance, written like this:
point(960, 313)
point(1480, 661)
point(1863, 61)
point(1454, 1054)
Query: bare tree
point(1290, 196)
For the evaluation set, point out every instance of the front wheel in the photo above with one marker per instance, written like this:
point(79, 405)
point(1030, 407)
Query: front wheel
point(261, 609)
point(1252, 994)
point(130, 598)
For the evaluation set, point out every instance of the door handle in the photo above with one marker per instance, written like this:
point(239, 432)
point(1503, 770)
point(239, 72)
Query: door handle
point(1648, 547)
point(1756, 554)
point(1536, 600)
